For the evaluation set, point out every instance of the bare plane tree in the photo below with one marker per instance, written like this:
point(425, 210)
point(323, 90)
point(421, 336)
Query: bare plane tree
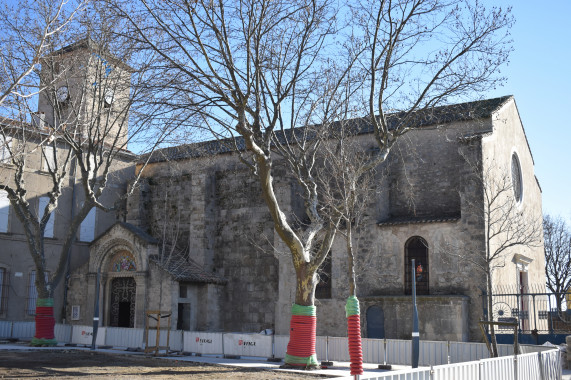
point(90, 94)
point(256, 70)
point(557, 241)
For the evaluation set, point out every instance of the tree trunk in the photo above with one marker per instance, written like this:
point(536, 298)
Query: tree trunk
point(493, 341)
point(352, 311)
point(301, 346)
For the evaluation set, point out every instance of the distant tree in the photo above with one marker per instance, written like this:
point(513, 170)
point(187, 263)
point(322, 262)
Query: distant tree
point(557, 241)
point(255, 70)
point(507, 225)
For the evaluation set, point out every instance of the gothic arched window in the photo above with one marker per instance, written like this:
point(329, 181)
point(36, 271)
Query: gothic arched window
point(416, 248)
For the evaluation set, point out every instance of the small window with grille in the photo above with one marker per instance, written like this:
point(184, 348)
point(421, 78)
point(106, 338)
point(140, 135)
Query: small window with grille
point(323, 288)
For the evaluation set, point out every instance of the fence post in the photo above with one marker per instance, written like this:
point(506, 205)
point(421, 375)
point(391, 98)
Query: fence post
point(448, 350)
point(385, 363)
point(223, 350)
point(480, 369)
point(515, 367)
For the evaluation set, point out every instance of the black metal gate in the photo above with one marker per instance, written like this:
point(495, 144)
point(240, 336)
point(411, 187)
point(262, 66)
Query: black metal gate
point(123, 291)
point(533, 310)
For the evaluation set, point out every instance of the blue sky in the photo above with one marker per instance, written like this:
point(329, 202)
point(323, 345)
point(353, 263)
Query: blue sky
point(539, 77)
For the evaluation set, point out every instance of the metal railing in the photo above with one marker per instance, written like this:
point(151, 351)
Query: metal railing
point(534, 311)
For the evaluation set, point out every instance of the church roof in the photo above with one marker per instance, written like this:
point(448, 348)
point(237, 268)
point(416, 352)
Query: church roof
point(480, 109)
point(183, 268)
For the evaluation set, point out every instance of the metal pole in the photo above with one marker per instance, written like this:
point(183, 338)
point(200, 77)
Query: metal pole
point(415, 333)
point(95, 313)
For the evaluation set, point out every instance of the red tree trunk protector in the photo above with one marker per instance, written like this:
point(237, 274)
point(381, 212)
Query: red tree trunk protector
point(302, 336)
point(355, 351)
point(45, 322)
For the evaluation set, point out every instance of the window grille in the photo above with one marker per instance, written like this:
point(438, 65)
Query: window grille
point(323, 288)
point(4, 289)
point(32, 293)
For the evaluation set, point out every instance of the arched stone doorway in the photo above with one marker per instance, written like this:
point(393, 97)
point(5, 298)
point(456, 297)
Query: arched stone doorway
point(416, 248)
point(122, 302)
point(122, 289)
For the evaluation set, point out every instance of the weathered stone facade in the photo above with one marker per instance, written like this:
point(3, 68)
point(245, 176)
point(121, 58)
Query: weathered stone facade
point(237, 275)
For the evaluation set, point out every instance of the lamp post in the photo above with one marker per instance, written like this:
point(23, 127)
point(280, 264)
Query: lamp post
point(95, 313)
point(415, 333)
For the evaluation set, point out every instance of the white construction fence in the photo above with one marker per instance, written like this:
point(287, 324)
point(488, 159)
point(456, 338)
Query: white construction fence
point(446, 360)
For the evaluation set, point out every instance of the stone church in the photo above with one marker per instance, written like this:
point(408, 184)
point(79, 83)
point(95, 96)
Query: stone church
point(197, 239)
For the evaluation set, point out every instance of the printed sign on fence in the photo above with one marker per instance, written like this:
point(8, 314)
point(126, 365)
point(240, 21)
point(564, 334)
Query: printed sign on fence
point(84, 335)
point(248, 344)
point(202, 342)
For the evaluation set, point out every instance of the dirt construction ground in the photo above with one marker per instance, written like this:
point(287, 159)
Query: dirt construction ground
point(73, 364)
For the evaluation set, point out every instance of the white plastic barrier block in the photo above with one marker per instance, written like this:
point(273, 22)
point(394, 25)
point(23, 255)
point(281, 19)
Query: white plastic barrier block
point(84, 335)
point(202, 342)
point(248, 344)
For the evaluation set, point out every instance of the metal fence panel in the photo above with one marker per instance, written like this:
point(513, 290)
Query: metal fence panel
point(433, 353)
point(410, 374)
point(373, 351)
point(125, 337)
point(174, 339)
point(203, 342)
point(62, 333)
point(339, 349)
point(5, 329)
point(505, 349)
point(528, 367)
point(23, 330)
point(459, 371)
point(280, 345)
point(528, 348)
point(551, 361)
point(399, 352)
point(466, 352)
point(497, 368)
point(243, 344)
point(321, 347)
